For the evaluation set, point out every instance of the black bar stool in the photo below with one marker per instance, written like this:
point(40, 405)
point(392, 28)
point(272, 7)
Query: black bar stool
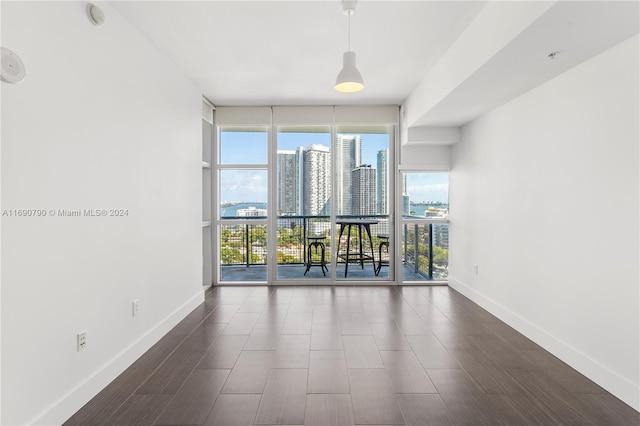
point(316, 242)
point(384, 242)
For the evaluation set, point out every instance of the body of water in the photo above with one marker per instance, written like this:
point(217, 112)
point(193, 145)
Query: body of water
point(419, 209)
point(232, 211)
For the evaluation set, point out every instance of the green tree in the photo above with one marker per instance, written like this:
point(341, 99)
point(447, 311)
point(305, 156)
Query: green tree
point(230, 256)
point(287, 258)
point(440, 255)
point(225, 234)
point(259, 235)
point(423, 265)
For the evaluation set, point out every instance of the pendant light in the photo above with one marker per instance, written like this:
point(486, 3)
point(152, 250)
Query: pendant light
point(349, 79)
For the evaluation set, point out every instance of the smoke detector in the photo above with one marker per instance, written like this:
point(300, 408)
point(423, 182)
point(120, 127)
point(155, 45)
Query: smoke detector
point(95, 14)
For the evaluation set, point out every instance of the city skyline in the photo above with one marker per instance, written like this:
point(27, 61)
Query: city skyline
point(307, 170)
point(250, 148)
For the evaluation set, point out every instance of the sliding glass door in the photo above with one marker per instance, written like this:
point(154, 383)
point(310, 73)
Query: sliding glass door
point(362, 205)
point(303, 192)
point(301, 199)
point(242, 220)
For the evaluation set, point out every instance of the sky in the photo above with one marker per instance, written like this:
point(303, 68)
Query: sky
point(428, 187)
point(250, 148)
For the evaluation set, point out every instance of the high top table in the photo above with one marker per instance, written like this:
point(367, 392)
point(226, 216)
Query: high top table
point(360, 256)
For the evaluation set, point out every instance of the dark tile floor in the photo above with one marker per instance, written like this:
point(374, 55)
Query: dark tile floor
point(348, 356)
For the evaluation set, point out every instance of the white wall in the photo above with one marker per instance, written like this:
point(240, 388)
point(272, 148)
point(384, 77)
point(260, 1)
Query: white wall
point(103, 120)
point(544, 199)
point(420, 157)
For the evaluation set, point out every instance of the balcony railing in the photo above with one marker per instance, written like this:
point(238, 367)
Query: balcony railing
point(424, 246)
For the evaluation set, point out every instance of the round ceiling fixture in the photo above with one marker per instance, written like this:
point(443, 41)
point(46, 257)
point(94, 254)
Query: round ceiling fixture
point(12, 68)
point(95, 14)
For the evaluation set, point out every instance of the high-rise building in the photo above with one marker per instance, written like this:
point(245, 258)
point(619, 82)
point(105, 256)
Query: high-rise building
point(363, 179)
point(440, 235)
point(251, 211)
point(300, 167)
point(348, 154)
point(316, 181)
point(406, 203)
point(288, 183)
point(382, 181)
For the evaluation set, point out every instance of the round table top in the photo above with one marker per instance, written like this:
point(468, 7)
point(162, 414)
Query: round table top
point(357, 221)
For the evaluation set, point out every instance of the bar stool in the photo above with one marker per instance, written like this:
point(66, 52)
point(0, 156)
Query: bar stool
point(315, 241)
point(384, 242)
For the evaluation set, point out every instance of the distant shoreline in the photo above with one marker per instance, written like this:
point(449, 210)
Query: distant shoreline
point(421, 203)
point(229, 209)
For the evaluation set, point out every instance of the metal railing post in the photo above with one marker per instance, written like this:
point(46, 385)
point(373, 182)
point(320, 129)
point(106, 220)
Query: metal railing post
point(304, 240)
point(246, 227)
point(406, 234)
point(430, 251)
point(416, 249)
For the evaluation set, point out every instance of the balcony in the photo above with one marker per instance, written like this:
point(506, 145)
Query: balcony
point(243, 250)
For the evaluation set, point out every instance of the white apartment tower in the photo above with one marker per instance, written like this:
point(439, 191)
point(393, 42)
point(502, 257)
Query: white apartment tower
point(316, 180)
point(288, 183)
point(348, 155)
point(382, 180)
point(363, 179)
point(406, 202)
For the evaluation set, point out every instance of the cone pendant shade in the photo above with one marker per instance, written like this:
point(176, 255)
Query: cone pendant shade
point(349, 80)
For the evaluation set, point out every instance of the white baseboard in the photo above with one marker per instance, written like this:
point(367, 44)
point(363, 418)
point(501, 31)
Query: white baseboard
point(619, 386)
point(61, 410)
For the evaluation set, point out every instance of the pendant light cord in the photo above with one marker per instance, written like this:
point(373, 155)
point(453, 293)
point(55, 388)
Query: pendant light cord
point(349, 37)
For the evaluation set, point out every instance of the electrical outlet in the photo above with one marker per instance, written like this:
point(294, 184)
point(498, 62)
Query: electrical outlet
point(82, 340)
point(475, 269)
point(135, 307)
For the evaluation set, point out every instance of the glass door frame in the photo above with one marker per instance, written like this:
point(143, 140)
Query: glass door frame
point(411, 220)
point(272, 230)
point(218, 221)
point(271, 221)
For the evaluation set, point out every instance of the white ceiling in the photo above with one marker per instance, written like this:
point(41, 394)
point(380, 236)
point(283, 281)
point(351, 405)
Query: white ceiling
point(289, 52)
point(576, 30)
